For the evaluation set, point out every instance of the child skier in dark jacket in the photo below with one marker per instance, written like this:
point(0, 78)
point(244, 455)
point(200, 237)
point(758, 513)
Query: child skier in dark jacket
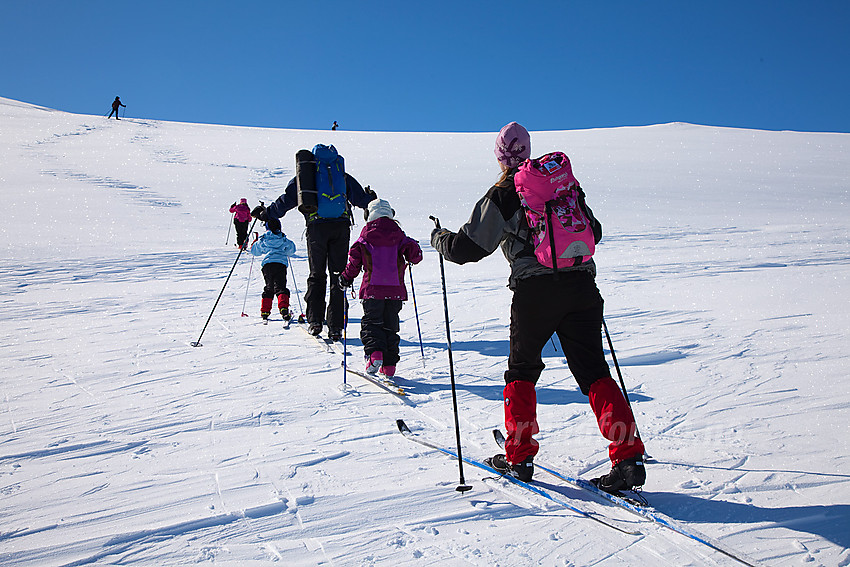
point(277, 249)
point(382, 252)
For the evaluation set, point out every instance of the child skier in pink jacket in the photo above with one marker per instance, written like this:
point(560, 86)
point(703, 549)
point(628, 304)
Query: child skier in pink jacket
point(241, 216)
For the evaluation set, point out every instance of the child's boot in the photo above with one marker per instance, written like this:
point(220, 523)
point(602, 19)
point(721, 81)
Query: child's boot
point(283, 305)
point(374, 361)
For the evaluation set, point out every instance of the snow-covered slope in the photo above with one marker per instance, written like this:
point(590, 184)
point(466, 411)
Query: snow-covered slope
point(724, 268)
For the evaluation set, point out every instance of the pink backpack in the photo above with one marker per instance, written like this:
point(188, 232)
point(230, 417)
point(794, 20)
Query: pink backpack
point(551, 198)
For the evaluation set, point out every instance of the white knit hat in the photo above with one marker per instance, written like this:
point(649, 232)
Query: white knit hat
point(379, 208)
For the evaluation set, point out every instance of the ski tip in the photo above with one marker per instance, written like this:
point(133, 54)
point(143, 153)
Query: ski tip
point(402, 426)
point(499, 437)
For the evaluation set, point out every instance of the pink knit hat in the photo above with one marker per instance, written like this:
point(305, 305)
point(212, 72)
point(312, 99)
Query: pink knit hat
point(513, 145)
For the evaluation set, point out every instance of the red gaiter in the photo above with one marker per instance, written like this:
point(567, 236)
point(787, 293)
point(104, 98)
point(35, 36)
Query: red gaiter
point(615, 420)
point(520, 420)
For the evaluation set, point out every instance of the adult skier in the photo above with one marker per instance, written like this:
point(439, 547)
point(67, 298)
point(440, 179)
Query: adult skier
point(542, 305)
point(327, 244)
point(116, 104)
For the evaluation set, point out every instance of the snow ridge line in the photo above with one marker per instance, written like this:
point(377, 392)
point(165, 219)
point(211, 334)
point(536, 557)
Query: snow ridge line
point(119, 543)
point(108, 447)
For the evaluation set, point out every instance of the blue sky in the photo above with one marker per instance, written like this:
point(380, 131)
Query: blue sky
point(464, 66)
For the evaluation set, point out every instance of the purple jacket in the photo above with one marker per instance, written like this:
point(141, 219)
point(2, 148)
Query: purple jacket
point(382, 252)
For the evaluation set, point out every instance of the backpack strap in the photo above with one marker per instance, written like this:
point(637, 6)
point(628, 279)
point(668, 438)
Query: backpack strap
point(551, 238)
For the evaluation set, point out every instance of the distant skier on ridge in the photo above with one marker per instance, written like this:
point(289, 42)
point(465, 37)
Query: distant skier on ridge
point(116, 104)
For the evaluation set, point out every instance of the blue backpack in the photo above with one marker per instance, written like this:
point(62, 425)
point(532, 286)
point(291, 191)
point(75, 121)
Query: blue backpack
point(330, 183)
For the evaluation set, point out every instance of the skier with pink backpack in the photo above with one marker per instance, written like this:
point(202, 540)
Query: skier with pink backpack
point(538, 215)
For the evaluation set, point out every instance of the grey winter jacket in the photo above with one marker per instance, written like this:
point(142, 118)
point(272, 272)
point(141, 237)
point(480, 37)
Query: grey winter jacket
point(498, 219)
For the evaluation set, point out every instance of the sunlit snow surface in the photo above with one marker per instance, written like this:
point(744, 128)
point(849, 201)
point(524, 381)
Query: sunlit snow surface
point(724, 267)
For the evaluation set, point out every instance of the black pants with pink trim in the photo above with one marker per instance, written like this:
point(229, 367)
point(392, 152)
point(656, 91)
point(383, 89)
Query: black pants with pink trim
point(571, 307)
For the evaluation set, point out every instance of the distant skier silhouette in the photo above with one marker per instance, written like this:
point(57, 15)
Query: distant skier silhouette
point(335, 126)
point(115, 105)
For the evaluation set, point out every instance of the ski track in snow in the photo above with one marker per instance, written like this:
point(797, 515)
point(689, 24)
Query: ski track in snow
point(121, 444)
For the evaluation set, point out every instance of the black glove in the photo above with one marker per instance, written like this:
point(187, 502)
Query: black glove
point(369, 191)
point(260, 213)
point(436, 234)
point(233, 205)
point(343, 283)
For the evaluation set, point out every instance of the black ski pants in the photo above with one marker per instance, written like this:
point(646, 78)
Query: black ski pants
point(241, 231)
point(570, 306)
point(327, 251)
point(379, 328)
point(275, 275)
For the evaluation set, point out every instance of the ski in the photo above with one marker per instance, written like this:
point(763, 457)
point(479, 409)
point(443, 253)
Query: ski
point(390, 388)
point(332, 347)
point(642, 510)
point(384, 383)
point(405, 430)
point(324, 341)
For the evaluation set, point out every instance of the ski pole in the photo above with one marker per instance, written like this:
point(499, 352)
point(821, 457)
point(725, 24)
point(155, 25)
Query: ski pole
point(230, 224)
point(198, 342)
point(620, 375)
point(462, 487)
point(345, 339)
point(416, 311)
point(247, 285)
point(297, 293)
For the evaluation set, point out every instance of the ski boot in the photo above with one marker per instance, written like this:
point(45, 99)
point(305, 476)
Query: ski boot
point(625, 475)
point(521, 471)
point(375, 360)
